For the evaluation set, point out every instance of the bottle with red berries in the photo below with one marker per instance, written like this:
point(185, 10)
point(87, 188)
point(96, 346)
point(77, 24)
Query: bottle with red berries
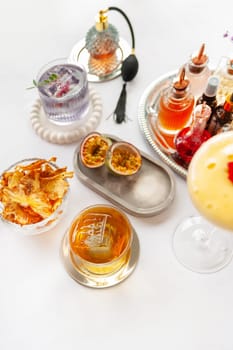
point(189, 139)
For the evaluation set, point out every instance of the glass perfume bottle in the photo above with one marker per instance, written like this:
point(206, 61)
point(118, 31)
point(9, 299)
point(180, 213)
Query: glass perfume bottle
point(102, 42)
point(223, 115)
point(175, 109)
point(224, 71)
point(198, 72)
point(189, 139)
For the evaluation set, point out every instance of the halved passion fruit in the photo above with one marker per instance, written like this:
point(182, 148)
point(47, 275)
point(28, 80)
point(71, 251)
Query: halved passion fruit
point(93, 150)
point(123, 158)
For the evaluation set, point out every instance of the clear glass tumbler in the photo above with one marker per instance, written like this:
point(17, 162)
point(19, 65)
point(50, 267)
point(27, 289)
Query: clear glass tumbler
point(100, 239)
point(63, 90)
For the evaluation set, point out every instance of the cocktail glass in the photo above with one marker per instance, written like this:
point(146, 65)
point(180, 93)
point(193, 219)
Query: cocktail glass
point(100, 239)
point(204, 243)
point(63, 90)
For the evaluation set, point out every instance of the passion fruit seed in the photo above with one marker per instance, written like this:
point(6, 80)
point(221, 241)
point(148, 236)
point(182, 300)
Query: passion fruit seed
point(123, 159)
point(94, 149)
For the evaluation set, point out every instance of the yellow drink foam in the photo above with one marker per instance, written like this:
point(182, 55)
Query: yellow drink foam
point(210, 189)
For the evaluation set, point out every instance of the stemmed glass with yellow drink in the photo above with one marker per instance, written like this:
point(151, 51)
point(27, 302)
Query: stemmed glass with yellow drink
point(205, 243)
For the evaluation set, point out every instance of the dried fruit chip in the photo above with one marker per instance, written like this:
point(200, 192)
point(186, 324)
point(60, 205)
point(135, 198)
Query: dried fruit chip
point(32, 192)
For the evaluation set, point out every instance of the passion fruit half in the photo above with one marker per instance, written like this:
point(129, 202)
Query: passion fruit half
point(123, 158)
point(93, 150)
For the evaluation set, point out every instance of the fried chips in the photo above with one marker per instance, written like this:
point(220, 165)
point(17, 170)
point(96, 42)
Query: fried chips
point(30, 193)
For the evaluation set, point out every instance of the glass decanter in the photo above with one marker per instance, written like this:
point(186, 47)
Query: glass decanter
point(189, 139)
point(174, 109)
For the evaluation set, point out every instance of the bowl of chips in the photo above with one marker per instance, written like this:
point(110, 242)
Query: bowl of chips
point(33, 194)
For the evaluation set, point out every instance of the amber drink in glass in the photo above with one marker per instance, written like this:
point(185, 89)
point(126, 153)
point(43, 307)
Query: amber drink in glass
point(100, 238)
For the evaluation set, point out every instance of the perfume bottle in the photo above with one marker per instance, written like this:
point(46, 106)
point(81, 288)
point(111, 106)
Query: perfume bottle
point(198, 72)
point(175, 108)
point(223, 115)
point(224, 71)
point(102, 42)
point(189, 139)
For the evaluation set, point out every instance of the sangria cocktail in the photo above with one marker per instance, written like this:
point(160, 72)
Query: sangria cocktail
point(198, 244)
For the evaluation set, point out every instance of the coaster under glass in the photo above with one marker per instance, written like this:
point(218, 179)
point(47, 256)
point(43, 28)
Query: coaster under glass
point(95, 280)
point(73, 132)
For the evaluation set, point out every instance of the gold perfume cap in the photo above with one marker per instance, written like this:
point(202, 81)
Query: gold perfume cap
point(101, 21)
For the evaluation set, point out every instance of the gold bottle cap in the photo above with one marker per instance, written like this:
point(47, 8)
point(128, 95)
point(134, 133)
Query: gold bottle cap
point(101, 21)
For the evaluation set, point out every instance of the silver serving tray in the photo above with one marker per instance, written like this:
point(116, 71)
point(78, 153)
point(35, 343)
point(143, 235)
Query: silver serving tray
point(148, 109)
point(146, 193)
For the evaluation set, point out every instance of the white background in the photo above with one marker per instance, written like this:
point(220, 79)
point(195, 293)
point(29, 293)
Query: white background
point(161, 303)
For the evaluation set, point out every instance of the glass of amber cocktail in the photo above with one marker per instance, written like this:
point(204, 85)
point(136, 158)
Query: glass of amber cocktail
point(204, 244)
point(100, 239)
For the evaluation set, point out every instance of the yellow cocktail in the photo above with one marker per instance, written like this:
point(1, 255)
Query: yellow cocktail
point(204, 244)
point(209, 185)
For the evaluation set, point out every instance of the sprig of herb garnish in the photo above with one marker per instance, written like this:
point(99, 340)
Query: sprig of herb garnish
point(52, 77)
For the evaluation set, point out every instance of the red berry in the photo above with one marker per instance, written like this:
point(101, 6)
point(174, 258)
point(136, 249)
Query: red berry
point(63, 90)
point(230, 171)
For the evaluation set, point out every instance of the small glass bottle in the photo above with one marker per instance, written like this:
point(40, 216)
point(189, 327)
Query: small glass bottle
point(209, 95)
point(198, 72)
point(225, 73)
point(223, 115)
point(102, 42)
point(175, 108)
point(189, 139)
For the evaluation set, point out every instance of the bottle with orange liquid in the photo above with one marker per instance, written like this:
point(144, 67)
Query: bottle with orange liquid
point(175, 110)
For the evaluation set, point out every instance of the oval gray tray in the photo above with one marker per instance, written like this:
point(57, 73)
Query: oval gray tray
point(144, 194)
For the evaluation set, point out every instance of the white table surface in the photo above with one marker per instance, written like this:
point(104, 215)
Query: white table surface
point(161, 304)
